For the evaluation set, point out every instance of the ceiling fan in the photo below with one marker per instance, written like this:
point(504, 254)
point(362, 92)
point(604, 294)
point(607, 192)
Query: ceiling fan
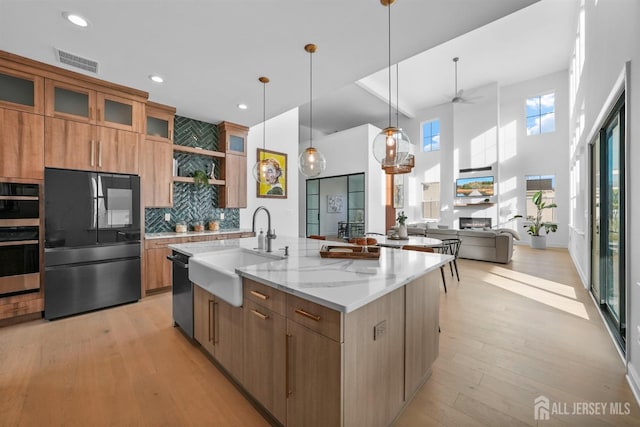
point(458, 97)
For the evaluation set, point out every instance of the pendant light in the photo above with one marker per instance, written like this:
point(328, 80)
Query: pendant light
point(260, 168)
point(407, 164)
point(311, 162)
point(391, 147)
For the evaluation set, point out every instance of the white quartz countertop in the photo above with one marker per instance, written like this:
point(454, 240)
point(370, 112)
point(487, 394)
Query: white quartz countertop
point(340, 284)
point(173, 234)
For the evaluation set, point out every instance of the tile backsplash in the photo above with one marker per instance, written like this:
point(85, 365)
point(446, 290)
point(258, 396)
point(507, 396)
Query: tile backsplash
point(192, 202)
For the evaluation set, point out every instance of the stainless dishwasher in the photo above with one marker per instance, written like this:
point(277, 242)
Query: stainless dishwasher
point(182, 290)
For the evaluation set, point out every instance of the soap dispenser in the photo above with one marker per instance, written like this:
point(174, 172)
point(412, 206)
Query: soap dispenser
point(261, 240)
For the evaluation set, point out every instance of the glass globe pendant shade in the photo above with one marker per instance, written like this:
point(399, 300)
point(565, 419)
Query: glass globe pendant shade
point(391, 147)
point(259, 171)
point(311, 162)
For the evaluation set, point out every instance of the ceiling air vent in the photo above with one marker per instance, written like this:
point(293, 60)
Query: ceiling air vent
point(77, 61)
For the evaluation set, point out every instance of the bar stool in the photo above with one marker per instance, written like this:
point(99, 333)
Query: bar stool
point(454, 248)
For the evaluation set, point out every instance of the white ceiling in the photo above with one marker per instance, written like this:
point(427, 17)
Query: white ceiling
point(211, 52)
point(531, 42)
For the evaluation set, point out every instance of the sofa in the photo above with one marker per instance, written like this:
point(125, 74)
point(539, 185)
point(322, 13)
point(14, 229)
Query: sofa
point(482, 245)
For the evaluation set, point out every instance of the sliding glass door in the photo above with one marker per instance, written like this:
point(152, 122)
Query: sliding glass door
point(608, 221)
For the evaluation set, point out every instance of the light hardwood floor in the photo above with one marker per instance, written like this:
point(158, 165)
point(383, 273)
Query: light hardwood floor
point(509, 334)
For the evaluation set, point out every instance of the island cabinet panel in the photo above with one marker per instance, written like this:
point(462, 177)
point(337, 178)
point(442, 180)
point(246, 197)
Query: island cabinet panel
point(203, 326)
point(316, 317)
point(218, 327)
point(21, 144)
point(422, 316)
point(313, 378)
point(374, 362)
point(264, 357)
point(228, 337)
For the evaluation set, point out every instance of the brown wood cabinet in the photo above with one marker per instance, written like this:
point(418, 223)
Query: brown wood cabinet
point(349, 369)
point(157, 269)
point(264, 357)
point(422, 336)
point(314, 375)
point(75, 145)
point(156, 156)
point(235, 178)
point(21, 144)
point(234, 139)
point(159, 122)
point(156, 162)
point(218, 328)
point(87, 103)
point(21, 91)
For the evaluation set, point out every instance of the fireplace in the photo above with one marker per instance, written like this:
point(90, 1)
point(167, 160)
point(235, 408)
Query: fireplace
point(467, 222)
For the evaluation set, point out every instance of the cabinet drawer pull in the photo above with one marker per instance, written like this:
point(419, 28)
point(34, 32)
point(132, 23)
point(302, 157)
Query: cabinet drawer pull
point(210, 337)
point(99, 154)
point(216, 335)
point(93, 152)
point(307, 314)
point(288, 365)
point(259, 295)
point(90, 113)
point(260, 315)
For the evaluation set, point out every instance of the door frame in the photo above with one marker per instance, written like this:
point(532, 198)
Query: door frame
point(619, 89)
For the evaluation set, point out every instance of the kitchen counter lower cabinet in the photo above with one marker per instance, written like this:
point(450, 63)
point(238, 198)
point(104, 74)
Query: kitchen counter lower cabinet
point(310, 366)
point(218, 328)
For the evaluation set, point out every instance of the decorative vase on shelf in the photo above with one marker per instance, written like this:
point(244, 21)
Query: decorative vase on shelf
point(402, 231)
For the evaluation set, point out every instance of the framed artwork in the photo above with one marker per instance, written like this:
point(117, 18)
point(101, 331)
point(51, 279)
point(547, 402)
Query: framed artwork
point(335, 203)
point(276, 185)
point(398, 191)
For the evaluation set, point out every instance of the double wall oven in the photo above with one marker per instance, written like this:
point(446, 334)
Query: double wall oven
point(20, 238)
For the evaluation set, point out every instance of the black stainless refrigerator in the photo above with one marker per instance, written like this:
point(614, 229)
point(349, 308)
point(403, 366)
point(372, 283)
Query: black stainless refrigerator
point(92, 241)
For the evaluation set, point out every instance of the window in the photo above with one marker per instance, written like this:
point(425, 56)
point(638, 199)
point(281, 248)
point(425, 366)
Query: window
point(431, 136)
point(546, 184)
point(541, 114)
point(431, 200)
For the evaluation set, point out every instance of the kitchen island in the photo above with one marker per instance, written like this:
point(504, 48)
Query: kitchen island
point(324, 341)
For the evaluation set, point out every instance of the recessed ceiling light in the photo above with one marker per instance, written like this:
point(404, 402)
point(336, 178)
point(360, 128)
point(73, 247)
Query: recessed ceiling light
point(156, 78)
point(75, 19)
point(242, 106)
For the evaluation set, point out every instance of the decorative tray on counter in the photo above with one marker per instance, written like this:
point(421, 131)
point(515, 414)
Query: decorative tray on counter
point(352, 252)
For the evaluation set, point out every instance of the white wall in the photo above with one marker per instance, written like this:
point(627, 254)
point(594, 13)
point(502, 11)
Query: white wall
point(611, 37)
point(349, 152)
point(545, 154)
point(281, 135)
point(491, 131)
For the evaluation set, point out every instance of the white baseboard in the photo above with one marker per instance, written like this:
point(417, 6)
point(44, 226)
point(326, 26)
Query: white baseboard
point(581, 274)
point(634, 381)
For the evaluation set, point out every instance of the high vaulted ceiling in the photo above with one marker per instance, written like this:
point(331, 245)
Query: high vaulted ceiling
point(211, 52)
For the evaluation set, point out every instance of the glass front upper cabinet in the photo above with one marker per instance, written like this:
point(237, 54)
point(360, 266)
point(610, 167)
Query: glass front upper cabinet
point(159, 122)
point(87, 105)
point(21, 91)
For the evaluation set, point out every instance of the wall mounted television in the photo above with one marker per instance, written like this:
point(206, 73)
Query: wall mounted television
point(478, 186)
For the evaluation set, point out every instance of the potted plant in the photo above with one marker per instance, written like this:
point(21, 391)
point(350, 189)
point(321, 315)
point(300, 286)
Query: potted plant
point(535, 223)
point(402, 227)
point(200, 177)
